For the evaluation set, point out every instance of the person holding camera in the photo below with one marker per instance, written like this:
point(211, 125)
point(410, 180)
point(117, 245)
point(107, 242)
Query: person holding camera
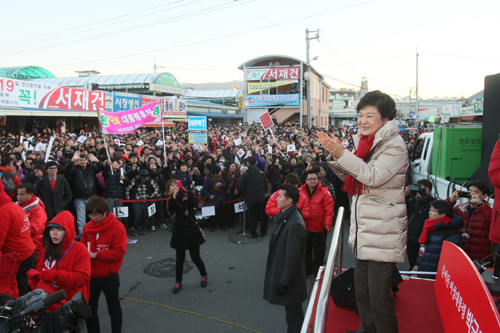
point(476, 214)
point(418, 199)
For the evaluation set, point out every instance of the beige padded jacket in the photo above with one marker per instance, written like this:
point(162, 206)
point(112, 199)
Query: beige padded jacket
point(378, 218)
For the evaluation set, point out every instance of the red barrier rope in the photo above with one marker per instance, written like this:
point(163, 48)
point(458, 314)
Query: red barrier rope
point(197, 197)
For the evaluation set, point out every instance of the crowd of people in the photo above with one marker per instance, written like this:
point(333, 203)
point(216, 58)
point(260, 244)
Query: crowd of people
point(54, 203)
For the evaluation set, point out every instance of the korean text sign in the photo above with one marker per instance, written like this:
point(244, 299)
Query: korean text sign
point(263, 100)
point(284, 73)
point(22, 93)
point(463, 298)
point(125, 101)
point(128, 121)
point(259, 86)
point(65, 98)
point(266, 121)
point(197, 123)
point(174, 107)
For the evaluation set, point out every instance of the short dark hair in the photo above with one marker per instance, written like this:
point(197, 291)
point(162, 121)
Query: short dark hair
point(291, 192)
point(6, 161)
point(310, 172)
point(426, 183)
point(292, 179)
point(383, 102)
point(481, 186)
point(97, 204)
point(442, 206)
point(251, 159)
point(215, 169)
point(30, 188)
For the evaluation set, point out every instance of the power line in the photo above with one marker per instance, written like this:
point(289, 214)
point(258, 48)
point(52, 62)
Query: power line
point(91, 24)
point(146, 25)
point(461, 55)
point(220, 37)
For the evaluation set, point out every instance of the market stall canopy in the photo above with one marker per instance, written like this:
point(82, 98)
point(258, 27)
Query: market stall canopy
point(25, 72)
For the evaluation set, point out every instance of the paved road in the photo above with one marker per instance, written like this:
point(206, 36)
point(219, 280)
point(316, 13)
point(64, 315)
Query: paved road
point(233, 295)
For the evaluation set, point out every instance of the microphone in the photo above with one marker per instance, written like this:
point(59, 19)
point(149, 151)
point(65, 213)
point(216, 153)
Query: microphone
point(42, 303)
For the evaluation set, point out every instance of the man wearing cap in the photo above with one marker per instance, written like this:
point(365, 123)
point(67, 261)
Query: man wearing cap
point(142, 188)
point(53, 190)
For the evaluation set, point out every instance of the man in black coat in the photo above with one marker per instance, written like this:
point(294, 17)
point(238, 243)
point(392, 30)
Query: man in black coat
point(53, 190)
point(285, 281)
point(115, 185)
point(254, 182)
point(418, 205)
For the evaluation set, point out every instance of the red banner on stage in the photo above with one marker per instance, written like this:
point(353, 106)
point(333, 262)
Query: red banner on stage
point(464, 301)
point(266, 121)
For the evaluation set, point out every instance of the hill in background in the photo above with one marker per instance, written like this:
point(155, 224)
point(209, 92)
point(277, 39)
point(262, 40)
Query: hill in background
point(214, 85)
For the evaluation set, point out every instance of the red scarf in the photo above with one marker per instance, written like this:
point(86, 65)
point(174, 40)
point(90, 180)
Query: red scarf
point(351, 185)
point(430, 225)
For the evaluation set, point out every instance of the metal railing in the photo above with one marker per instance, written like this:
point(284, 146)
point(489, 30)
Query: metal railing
point(324, 294)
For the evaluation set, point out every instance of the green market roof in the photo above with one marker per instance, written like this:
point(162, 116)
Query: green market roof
point(25, 72)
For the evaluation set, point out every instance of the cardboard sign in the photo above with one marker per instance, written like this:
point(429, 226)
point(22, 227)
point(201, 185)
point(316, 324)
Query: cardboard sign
point(159, 143)
point(269, 149)
point(239, 207)
point(122, 211)
point(266, 121)
point(82, 139)
point(40, 146)
point(49, 149)
point(152, 210)
point(237, 142)
point(464, 301)
point(140, 143)
point(208, 211)
point(290, 148)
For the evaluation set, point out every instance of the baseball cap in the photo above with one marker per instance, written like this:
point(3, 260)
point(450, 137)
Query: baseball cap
point(144, 174)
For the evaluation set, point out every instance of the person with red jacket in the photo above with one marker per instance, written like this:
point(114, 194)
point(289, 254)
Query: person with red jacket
point(476, 214)
point(6, 166)
point(303, 204)
point(15, 237)
point(35, 210)
point(106, 240)
point(66, 262)
point(494, 174)
point(320, 221)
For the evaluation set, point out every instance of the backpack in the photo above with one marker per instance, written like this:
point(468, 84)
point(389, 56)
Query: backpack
point(7, 183)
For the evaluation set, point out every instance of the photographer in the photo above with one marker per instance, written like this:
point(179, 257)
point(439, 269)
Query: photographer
point(476, 214)
point(417, 205)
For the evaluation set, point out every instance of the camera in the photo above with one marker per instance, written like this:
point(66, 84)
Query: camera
point(15, 316)
point(420, 190)
point(464, 194)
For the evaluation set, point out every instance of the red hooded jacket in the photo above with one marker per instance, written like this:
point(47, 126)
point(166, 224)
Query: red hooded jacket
point(15, 179)
point(108, 239)
point(73, 267)
point(15, 235)
point(35, 210)
point(494, 173)
point(321, 207)
point(303, 204)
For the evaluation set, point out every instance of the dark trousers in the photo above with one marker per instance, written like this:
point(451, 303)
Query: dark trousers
point(22, 280)
point(181, 257)
point(160, 213)
point(315, 251)
point(294, 318)
point(114, 204)
point(412, 250)
point(217, 218)
point(109, 286)
point(141, 217)
point(257, 213)
point(374, 298)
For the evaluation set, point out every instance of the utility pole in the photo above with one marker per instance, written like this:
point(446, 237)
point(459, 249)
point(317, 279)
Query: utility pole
point(155, 67)
point(416, 89)
point(316, 36)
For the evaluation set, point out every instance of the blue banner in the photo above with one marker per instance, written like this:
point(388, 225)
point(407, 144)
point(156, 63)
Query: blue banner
point(125, 101)
point(197, 123)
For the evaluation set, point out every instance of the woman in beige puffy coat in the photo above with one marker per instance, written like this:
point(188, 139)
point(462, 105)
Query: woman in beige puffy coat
point(375, 177)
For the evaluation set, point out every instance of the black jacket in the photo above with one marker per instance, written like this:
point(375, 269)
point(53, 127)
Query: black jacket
point(186, 234)
point(254, 182)
point(418, 212)
point(55, 202)
point(85, 181)
point(114, 189)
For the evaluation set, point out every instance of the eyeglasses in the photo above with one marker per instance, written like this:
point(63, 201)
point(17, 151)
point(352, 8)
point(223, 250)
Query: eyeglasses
point(312, 179)
point(433, 210)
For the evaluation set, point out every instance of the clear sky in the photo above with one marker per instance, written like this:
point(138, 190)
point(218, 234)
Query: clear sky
point(201, 41)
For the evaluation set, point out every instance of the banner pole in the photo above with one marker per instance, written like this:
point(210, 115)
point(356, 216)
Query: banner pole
point(163, 132)
point(107, 152)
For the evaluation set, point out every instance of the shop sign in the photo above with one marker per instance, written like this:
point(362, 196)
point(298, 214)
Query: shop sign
point(272, 73)
point(18, 93)
point(259, 86)
point(264, 100)
point(478, 107)
point(174, 107)
point(125, 101)
point(64, 98)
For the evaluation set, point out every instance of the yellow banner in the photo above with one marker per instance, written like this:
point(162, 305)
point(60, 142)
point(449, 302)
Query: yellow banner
point(259, 86)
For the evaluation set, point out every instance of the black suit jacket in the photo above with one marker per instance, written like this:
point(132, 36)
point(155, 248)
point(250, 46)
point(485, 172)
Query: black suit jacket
point(55, 201)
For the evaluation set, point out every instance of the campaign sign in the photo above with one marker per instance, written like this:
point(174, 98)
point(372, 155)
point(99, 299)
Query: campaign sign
point(65, 98)
point(122, 211)
point(197, 123)
point(239, 207)
point(266, 121)
point(152, 210)
point(197, 136)
point(464, 301)
point(125, 101)
point(128, 121)
point(208, 211)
